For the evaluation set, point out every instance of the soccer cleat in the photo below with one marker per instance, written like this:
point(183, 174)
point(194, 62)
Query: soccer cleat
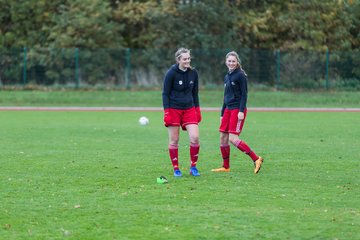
point(258, 164)
point(194, 172)
point(222, 169)
point(177, 173)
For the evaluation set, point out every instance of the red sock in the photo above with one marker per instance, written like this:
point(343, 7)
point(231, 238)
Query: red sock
point(225, 152)
point(173, 152)
point(242, 146)
point(194, 153)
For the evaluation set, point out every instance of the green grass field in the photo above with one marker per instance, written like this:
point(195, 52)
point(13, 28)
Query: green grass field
point(208, 98)
point(92, 175)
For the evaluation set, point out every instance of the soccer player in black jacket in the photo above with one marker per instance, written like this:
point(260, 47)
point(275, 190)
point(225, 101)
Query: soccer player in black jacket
point(233, 113)
point(182, 109)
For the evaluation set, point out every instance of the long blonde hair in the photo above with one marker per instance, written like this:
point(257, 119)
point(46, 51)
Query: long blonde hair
point(234, 54)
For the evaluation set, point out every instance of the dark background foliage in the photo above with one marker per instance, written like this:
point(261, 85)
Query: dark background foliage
point(101, 41)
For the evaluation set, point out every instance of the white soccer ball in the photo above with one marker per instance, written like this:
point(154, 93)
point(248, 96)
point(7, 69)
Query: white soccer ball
point(144, 121)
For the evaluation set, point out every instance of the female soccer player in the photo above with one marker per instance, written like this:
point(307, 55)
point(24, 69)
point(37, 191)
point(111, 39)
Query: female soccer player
point(181, 108)
point(233, 113)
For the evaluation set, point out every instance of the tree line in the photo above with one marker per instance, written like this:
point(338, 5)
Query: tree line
point(200, 24)
point(99, 41)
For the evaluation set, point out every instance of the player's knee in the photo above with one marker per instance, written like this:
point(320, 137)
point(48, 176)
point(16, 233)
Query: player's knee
point(233, 139)
point(174, 141)
point(194, 140)
point(224, 140)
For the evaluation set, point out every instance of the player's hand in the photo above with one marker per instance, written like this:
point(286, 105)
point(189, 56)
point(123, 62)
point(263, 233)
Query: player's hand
point(198, 114)
point(241, 116)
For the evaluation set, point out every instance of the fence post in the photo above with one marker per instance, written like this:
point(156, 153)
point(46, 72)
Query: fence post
point(77, 82)
point(127, 68)
point(277, 85)
point(24, 68)
point(327, 70)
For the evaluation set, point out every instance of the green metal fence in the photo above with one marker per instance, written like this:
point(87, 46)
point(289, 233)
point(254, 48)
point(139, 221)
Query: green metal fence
point(145, 68)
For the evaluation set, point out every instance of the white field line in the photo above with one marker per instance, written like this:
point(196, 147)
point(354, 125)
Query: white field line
point(209, 109)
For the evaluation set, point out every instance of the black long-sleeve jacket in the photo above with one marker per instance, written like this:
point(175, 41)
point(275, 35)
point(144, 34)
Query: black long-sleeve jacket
point(180, 89)
point(235, 92)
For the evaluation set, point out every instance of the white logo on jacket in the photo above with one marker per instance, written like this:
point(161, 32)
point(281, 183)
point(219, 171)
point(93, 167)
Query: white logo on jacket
point(180, 82)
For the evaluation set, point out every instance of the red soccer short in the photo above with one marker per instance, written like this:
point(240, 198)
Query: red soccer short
point(230, 122)
point(180, 117)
